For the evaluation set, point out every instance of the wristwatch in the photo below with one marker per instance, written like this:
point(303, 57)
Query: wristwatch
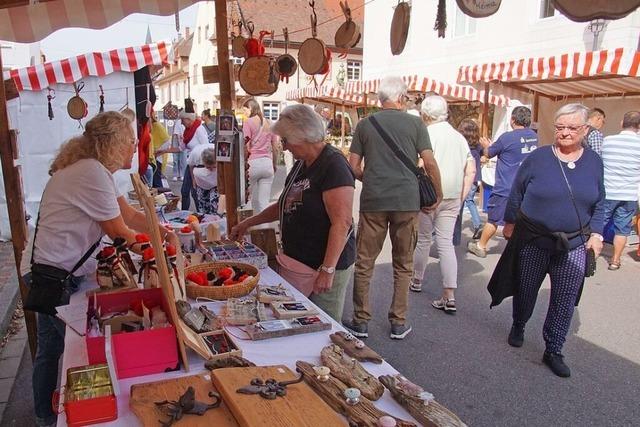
point(329, 270)
point(598, 236)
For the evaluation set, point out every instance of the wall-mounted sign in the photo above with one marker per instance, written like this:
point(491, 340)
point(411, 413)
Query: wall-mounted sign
point(479, 8)
point(588, 10)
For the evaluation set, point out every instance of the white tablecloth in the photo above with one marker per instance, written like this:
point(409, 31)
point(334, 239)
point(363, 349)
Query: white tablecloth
point(276, 351)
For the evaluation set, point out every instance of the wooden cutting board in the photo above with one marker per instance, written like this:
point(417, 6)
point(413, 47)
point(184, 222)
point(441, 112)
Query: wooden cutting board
point(143, 397)
point(301, 407)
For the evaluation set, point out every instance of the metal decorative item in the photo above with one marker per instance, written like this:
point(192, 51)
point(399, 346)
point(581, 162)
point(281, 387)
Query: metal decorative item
point(186, 404)
point(588, 10)
point(479, 8)
point(269, 389)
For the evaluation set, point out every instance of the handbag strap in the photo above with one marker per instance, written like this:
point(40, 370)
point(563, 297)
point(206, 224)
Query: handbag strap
point(283, 197)
point(394, 147)
point(573, 200)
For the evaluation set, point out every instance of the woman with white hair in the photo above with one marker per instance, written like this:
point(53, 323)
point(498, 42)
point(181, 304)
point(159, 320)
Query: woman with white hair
point(318, 245)
point(458, 171)
point(194, 134)
point(205, 180)
point(554, 218)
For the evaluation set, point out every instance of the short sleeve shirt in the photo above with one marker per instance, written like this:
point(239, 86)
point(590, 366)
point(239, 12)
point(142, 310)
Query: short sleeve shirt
point(305, 222)
point(75, 200)
point(511, 149)
point(195, 158)
point(388, 185)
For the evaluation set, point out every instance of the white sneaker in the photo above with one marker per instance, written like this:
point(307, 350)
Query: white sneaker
point(175, 179)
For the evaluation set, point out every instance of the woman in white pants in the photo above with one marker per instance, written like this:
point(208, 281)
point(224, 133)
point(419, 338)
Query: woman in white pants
point(262, 148)
point(458, 170)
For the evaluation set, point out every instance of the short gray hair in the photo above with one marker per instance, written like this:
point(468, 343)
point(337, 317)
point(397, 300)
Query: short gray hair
point(299, 123)
point(568, 109)
point(208, 156)
point(391, 88)
point(435, 108)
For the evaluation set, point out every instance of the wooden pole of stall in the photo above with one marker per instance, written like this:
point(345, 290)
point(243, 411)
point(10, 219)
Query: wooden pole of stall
point(536, 106)
point(484, 126)
point(15, 206)
point(227, 93)
point(344, 119)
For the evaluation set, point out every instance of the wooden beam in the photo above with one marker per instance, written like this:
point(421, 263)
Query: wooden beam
point(227, 93)
point(15, 206)
point(597, 95)
point(484, 124)
point(536, 106)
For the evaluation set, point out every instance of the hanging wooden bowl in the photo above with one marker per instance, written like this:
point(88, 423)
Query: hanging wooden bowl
point(312, 56)
point(584, 11)
point(77, 108)
point(400, 27)
point(257, 76)
point(238, 48)
point(286, 65)
point(479, 8)
point(347, 35)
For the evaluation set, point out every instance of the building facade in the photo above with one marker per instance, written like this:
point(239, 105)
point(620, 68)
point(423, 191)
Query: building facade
point(172, 83)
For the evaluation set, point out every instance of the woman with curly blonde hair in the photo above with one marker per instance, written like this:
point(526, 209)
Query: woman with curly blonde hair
point(80, 204)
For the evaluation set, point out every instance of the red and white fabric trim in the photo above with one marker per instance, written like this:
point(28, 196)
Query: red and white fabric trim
point(329, 94)
point(416, 83)
point(97, 64)
point(620, 62)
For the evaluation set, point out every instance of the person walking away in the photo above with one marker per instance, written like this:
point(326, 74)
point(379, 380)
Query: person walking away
point(471, 131)
point(621, 159)
point(209, 124)
point(389, 201)
point(594, 136)
point(194, 135)
point(511, 148)
point(179, 158)
point(458, 170)
point(262, 147)
point(554, 217)
point(205, 178)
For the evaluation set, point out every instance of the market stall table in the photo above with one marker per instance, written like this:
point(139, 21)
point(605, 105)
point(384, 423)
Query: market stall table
point(276, 351)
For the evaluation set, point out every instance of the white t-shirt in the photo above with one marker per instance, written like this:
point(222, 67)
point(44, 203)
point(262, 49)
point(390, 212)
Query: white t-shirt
point(199, 138)
point(195, 157)
point(451, 151)
point(205, 178)
point(75, 200)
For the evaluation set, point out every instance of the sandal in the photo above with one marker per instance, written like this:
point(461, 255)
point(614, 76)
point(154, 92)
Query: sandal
point(614, 266)
point(447, 305)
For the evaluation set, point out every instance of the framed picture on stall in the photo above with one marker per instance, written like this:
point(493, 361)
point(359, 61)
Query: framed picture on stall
point(224, 148)
point(225, 124)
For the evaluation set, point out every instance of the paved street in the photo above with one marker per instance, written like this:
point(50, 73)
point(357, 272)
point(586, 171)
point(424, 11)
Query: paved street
point(465, 362)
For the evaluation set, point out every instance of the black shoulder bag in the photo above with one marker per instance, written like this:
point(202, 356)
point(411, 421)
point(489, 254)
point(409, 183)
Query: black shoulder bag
point(590, 262)
point(426, 190)
point(47, 283)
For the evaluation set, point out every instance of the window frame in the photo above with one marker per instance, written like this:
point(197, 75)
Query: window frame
point(542, 9)
point(268, 108)
point(353, 68)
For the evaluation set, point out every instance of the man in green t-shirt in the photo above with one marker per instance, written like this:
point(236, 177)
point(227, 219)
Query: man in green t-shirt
point(389, 201)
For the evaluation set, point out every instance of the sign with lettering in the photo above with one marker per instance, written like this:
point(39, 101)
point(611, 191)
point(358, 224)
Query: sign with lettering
point(479, 8)
point(584, 11)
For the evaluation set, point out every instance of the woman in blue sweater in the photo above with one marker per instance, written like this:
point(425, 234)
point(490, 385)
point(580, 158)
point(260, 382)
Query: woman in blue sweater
point(553, 218)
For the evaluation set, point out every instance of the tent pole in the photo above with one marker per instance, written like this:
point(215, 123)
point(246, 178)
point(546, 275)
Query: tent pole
point(227, 93)
point(484, 126)
point(536, 106)
point(342, 126)
point(15, 205)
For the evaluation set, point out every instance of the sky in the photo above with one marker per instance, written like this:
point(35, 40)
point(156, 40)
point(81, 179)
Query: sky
point(131, 31)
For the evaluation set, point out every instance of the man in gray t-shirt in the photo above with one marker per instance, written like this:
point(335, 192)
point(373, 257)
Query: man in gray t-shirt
point(389, 200)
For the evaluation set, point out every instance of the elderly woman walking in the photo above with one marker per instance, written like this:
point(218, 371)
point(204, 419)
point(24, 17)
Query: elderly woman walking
point(315, 212)
point(554, 219)
point(458, 171)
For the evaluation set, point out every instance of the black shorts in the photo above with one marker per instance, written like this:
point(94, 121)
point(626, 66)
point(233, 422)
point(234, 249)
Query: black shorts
point(495, 209)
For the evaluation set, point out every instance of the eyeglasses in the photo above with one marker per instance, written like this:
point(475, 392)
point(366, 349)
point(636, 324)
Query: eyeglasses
point(572, 129)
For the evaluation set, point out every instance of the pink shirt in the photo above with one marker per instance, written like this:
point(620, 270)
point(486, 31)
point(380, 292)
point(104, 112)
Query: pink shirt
point(261, 146)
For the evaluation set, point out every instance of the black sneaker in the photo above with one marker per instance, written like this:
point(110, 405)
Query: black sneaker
point(516, 336)
point(556, 363)
point(398, 332)
point(358, 329)
point(477, 232)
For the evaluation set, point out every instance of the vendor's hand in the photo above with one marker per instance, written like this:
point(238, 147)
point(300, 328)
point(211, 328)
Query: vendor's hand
point(596, 244)
point(507, 230)
point(323, 282)
point(239, 230)
point(485, 142)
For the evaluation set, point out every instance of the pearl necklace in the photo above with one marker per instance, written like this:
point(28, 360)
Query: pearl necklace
point(570, 163)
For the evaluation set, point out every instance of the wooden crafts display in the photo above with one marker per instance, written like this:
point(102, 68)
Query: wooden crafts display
point(348, 34)
point(284, 328)
point(350, 371)
point(400, 27)
point(429, 413)
point(243, 311)
point(269, 294)
point(238, 43)
point(313, 55)
point(292, 309)
point(355, 347)
point(286, 64)
point(363, 413)
point(77, 108)
point(144, 396)
point(228, 362)
point(300, 407)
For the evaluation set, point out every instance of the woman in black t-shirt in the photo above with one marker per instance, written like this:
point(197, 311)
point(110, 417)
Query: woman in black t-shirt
point(315, 212)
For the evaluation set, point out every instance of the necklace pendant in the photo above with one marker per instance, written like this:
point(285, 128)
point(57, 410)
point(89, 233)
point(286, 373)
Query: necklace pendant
point(571, 165)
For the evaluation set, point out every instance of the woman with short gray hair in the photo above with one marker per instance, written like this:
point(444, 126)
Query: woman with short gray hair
point(318, 245)
point(205, 180)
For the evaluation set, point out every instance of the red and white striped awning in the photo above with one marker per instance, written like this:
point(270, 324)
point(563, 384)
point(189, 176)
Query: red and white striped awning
point(71, 70)
point(34, 22)
point(415, 83)
point(602, 73)
point(329, 94)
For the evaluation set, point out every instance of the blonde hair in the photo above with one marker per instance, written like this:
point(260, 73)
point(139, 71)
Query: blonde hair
point(105, 139)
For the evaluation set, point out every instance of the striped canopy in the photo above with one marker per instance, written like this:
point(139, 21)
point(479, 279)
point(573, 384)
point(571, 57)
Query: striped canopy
point(329, 94)
point(581, 74)
point(27, 22)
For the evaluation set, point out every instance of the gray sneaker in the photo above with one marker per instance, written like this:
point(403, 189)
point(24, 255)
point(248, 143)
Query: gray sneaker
point(398, 332)
point(475, 249)
point(358, 329)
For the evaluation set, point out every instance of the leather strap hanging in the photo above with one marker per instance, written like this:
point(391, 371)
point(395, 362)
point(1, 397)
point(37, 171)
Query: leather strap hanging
point(441, 18)
point(51, 96)
point(101, 99)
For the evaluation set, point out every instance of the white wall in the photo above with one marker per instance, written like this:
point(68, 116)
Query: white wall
point(515, 31)
point(18, 55)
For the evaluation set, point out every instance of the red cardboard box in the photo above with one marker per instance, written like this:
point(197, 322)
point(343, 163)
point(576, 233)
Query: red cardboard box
point(89, 396)
point(135, 353)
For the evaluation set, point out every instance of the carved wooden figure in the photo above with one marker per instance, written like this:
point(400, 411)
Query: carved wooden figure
point(350, 371)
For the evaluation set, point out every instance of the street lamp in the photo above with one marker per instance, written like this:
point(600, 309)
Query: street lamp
point(596, 26)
